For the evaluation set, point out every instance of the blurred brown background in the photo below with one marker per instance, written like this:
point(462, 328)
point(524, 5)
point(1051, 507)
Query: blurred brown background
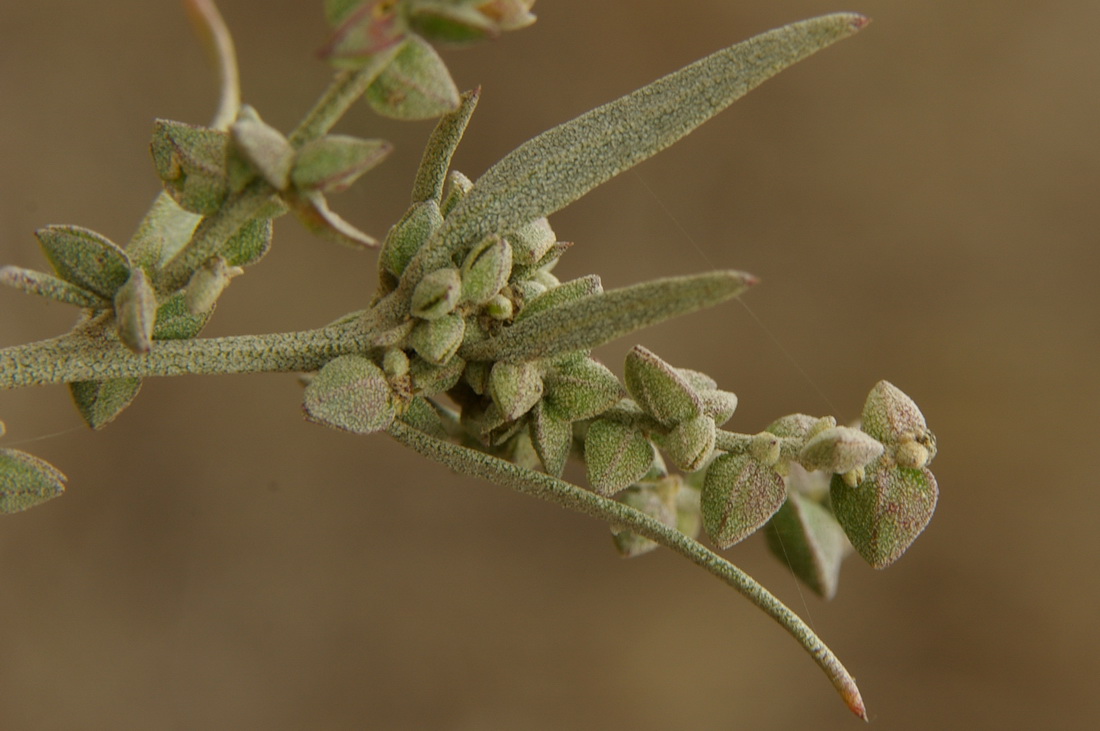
point(920, 203)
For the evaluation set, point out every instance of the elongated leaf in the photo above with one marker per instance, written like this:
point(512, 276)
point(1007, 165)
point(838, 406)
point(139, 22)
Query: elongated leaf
point(441, 147)
point(47, 285)
point(600, 318)
point(559, 166)
point(26, 481)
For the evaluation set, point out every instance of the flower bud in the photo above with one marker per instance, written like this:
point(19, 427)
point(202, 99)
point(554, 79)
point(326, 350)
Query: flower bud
point(395, 363)
point(458, 185)
point(690, 443)
point(207, 284)
point(499, 307)
point(437, 294)
point(531, 242)
point(739, 496)
point(839, 449)
point(765, 448)
point(437, 341)
point(616, 456)
point(408, 235)
point(515, 387)
point(263, 147)
point(889, 414)
point(136, 312)
point(486, 269)
point(659, 389)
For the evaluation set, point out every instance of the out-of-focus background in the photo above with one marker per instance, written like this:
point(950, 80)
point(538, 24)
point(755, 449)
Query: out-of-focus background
point(920, 204)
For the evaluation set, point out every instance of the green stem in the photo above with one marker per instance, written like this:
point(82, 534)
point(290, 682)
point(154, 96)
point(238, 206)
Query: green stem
point(572, 497)
point(344, 90)
point(81, 357)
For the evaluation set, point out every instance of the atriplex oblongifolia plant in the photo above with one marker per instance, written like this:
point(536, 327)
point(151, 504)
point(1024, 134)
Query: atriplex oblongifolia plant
point(472, 352)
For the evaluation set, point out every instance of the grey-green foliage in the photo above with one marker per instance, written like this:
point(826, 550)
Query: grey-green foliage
point(471, 351)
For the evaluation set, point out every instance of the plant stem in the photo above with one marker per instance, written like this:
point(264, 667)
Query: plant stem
point(344, 90)
point(82, 357)
point(572, 497)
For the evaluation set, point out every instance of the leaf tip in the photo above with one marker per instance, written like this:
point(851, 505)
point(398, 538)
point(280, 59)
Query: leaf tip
point(859, 22)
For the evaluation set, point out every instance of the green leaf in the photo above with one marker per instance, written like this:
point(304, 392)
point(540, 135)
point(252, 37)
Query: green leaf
point(350, 393)
point(136, 312)
point(85, 258)
point(332, 163)
point(739, 496)
point(26, 481)
point(432, 174)
point(690, 443)
point(616, 455)
point(806, 537)
point(437, 341)
point(657, 501)
point(581, 389)
point(515, 388)
point(251, 242)
point(191, 161)
point(885, 513)
point(559, 166)
point(414, 85)
point(408, 235)
point(660, 389)
point(590, 321)
point(552, 437)
point(839, 449)
point(570, 291)
point(51, 287)
point(176, 322)
point(265, 148)
point(100, 402)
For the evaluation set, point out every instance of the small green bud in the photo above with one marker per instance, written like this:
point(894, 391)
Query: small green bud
point(765, 448)
point(499, 307)
point(739, 496)
point(806, 537)
point(26, 481)
point(408, 235)
point(458, 185)
point(191, 161)
point(531, 242)
point(581, 388)
point(350, 393)
point(136, 312)
point(911, 454)
point(414, 85)
point(889, 415)
point(437, 341)
point(546, 279)
point(430, 379)
point(263, 147)
point(437, 294)
point(395, 363)
point(207, 284)
point(333, 162)
point(839, 449)
point(476, 376)
point(486, 269)
point(690, 443)
point(616, 455)
point(515, 387)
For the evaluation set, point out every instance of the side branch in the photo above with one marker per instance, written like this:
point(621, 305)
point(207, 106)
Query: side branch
point(477, 464)
point(83, 357)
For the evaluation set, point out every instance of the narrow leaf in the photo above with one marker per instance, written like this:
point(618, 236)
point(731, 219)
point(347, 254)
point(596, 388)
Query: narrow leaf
point(559, 166)
point(51, 287)
point(601, 318)
point(441, 147)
